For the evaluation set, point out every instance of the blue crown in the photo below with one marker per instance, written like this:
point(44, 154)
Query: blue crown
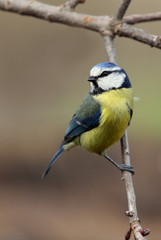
point(106, 65)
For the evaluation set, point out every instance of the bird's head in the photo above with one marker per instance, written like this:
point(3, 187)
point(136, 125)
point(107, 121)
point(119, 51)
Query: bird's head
point(107, 76)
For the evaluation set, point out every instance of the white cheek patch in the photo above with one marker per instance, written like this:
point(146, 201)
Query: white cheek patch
point(113, 80)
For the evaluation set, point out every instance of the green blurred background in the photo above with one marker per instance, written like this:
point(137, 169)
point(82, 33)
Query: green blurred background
point(43, 71)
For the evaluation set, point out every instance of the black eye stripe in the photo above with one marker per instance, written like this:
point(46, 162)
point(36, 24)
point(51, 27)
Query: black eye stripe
point(105, 73)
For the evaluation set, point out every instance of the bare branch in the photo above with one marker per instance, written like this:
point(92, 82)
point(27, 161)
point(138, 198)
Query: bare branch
point(110, 49)
point(128, 178)
point(137, 34)
point(139, 18)
point(134, 220)
point(122, 9)
point(71, 4)
point(102, 24)
point(55, 14)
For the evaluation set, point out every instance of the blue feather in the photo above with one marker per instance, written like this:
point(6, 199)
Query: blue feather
point(105, 65)
point(52, 161)
point(78, 126)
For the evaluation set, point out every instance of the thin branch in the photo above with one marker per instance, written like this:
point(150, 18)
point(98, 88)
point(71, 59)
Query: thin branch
point(134, 220)
point(125, 30)
point(71, 4)
point(139, 18)
point(55, 14)
point(110, 49)
point(128, 177)
point(122, 9)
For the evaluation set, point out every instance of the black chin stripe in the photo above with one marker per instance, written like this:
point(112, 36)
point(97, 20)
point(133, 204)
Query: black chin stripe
point(97, 90)
point(95, 84)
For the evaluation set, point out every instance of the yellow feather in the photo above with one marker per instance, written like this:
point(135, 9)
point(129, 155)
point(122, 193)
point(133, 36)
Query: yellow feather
point(114, 120)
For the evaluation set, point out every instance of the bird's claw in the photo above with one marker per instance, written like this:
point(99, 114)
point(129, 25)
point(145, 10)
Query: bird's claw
point(125, 167)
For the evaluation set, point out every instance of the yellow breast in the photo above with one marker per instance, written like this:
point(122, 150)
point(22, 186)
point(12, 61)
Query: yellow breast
point(114, 120)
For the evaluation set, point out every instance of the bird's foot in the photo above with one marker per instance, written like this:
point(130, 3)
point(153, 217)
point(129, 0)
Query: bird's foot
point(125, 167)
point(122, 167)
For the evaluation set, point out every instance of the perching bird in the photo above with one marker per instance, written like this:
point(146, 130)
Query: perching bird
point(103, 115)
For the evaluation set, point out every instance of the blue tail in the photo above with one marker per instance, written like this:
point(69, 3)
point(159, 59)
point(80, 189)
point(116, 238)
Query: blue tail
point(52, 161)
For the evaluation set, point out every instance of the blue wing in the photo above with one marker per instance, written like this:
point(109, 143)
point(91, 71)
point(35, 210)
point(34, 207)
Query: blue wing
point(85, 118)
point(78, 126)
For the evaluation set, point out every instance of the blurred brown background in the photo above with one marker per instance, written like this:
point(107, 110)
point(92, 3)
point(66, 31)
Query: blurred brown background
point(43, 73)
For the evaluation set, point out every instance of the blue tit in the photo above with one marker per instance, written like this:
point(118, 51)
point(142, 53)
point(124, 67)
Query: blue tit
point(103, 115)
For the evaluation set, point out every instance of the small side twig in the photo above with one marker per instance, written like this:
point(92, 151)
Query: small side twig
point(128, 234)
point(139, 18)
point(71, 4)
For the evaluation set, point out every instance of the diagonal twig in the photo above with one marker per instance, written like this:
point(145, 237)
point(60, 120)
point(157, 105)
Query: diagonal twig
point(122, 9)
point(125, 30)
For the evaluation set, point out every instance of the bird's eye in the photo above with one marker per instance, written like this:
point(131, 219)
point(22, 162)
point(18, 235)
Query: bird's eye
point(105, 73)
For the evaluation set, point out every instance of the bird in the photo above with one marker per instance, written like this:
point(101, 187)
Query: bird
point(103, 115)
